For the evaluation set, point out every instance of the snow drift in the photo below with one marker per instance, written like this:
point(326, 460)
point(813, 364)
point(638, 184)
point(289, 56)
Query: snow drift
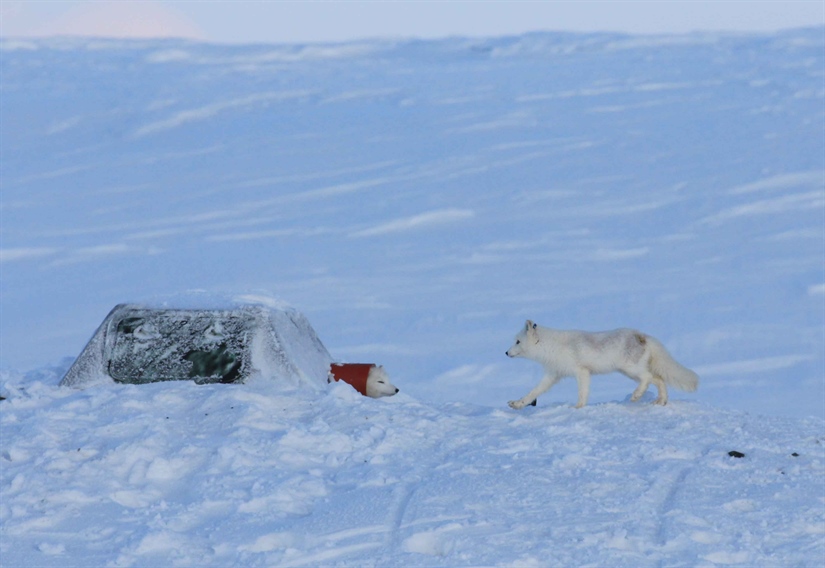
point(270, 474)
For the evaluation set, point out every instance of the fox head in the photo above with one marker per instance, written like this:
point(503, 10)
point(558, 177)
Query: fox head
point(526, 337)
point(378, 383)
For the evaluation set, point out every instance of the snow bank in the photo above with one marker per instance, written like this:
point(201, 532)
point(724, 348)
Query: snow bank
point(266, 474)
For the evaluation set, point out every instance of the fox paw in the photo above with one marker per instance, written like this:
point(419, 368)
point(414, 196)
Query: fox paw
point(516, 404)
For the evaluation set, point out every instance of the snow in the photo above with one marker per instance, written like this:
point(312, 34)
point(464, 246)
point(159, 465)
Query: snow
point(417, 201)
point(262, 475)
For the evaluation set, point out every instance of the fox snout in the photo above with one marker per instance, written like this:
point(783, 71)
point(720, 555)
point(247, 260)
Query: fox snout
point(514, 351)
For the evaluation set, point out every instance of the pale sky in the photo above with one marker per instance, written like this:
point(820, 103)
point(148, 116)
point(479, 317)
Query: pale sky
point(275, 21)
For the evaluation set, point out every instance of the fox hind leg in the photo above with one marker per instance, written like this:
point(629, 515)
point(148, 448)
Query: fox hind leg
point(661, 388)
point(583, 380)
point(644, 378)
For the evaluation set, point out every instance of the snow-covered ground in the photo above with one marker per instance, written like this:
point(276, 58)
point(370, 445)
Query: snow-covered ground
point(256, 475)
point(417, 201)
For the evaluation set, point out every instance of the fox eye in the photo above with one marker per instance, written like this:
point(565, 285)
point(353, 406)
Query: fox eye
point(380, 382)
point(518, 341)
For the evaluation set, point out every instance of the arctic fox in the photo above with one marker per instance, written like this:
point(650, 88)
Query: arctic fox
point(580, 354)
point(368, 379)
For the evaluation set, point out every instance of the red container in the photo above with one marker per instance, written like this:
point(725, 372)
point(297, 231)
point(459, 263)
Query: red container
point(354, 374)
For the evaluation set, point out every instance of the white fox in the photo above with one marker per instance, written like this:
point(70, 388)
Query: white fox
point(580, 354)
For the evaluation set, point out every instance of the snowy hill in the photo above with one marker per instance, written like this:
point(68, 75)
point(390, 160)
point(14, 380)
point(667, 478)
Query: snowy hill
point(418, 200)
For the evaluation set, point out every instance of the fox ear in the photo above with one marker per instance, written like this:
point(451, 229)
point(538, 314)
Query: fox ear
point(529, 325)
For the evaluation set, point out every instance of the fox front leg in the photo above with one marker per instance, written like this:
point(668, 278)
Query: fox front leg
point(530, 398)
point(583, 380)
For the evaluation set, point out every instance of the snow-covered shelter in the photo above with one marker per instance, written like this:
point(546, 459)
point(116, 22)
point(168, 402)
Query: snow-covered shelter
point(138, 344)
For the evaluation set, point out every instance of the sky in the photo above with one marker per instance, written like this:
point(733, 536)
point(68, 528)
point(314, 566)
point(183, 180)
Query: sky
point(334, 21)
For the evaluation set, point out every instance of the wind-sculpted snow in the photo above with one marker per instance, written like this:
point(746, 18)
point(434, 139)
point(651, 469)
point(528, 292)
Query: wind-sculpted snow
point(178, 474)
point(417, 201)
